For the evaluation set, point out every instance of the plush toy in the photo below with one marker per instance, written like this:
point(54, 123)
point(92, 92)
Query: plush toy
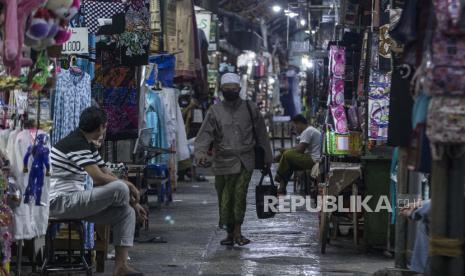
point(49, 24)
point(43, 25)
point(16, 13)
point(64, 9)
point(63, 34)
point(40, 155)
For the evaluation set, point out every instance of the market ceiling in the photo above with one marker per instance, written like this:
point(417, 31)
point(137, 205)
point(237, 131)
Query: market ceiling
point(255, 10)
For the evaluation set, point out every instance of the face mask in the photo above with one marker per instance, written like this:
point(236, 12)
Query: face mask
point(230, 95)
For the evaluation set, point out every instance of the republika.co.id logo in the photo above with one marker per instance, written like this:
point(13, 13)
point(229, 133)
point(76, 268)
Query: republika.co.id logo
point(329, 203)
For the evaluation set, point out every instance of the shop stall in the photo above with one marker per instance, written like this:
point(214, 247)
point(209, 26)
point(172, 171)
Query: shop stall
point(348, 97)
point(135, 59)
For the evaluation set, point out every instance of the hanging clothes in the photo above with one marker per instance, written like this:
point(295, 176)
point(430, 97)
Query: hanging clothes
point(72, 96)
point(288, 100)
point(186, 41)
point(4, 134)
point(155, 118)
point(175, 127)
point(30, 220)
point(10, 150)
point(155, 26)
point(135, 41)
point(400, 109)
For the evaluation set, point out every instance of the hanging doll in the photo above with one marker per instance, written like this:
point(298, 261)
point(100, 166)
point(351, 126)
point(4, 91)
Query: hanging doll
point(39, 154)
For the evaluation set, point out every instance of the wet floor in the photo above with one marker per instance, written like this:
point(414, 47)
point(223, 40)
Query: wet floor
point(284, 245)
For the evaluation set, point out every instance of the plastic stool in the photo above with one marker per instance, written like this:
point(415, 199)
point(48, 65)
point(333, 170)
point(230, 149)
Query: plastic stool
point(71, 262)
point(160, 174)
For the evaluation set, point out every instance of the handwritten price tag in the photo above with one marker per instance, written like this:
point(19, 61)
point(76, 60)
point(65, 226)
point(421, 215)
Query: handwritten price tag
point(78, 43)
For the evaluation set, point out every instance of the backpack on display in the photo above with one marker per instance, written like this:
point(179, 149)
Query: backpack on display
point(445, 79)
point(446, 69)
point(446, 122)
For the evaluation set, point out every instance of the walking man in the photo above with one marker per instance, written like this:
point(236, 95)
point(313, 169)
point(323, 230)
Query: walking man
point(228, 129)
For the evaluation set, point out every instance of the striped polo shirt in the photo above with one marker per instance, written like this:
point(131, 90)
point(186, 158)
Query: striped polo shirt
point(69, 158)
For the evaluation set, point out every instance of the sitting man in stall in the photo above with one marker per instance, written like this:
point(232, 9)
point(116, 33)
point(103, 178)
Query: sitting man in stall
point(112, 201)
point(304, 156)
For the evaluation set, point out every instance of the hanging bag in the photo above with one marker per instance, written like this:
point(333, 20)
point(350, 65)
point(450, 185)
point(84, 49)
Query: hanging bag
point(445, 81)
point(446, 46)
point(259, 150)
point(265, 190)
point(405, 30)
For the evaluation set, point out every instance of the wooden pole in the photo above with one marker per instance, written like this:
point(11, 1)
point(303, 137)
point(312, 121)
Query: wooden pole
point(401, 222)
point(456, 210)
point(439, 219)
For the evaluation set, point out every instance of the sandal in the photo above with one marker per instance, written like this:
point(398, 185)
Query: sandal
point(228, 241)
point(241, 241)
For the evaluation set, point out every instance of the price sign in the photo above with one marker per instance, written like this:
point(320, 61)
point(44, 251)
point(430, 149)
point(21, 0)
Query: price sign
point(78, 43)
point(204, 20)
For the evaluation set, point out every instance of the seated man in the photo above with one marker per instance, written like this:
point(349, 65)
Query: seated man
point(303, 157)
point(112, 201)
point(420, 254)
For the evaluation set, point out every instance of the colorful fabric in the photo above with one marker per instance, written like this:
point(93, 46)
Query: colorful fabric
point(378, 109)
point(121, 106)
point(232, 197)
point(135, 41)
point(111, 76)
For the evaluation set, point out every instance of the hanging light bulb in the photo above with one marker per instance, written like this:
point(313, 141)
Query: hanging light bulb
point(277, 8)
point(303, 22)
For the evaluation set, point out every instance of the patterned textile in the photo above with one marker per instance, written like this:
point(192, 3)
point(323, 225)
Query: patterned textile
point(121, 106)
point(72, 96)
point(135, 41)
point(232, 197)
point(109, 76)
point(378, 109)
point(95, 10)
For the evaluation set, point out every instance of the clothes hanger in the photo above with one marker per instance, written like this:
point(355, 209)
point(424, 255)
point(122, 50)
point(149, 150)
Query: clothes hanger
point(158, 86)
point(72, 65)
